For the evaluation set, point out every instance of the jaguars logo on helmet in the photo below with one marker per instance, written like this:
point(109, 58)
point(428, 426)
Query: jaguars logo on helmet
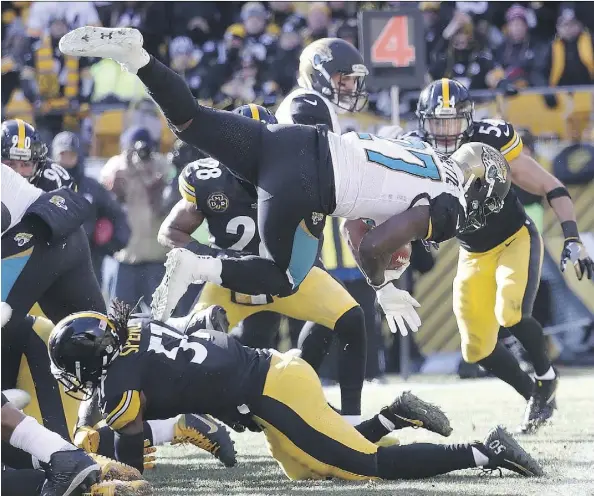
point(325, 58)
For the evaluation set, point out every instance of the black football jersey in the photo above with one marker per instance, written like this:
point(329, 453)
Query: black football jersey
point(198, 371)
point(500, 226)
point(229, 205)
point(51, 176)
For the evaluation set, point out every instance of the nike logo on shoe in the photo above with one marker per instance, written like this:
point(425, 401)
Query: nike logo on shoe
point(213, 427)
point(311, 102)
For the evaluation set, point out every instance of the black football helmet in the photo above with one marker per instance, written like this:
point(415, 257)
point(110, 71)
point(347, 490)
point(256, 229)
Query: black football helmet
point(328, 57)
point(22, 148)
point(182, 154)
point(256, 112)
point(445, 111)
point(487, 180)
point(81, 347)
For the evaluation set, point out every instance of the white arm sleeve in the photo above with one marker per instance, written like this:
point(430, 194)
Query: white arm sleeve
point(17, 194)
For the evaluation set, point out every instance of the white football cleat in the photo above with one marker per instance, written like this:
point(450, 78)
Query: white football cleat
point(182, 268)
point(124, 45)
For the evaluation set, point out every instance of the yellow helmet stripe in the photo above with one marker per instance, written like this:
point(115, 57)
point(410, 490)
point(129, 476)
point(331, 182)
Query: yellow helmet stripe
point(445, 92)
point(21, 127)
point(255, 112)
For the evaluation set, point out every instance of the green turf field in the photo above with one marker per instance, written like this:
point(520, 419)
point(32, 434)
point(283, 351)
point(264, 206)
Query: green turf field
point(566, 448)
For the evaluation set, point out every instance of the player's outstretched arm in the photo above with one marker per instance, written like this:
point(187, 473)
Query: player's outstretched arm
point(177, 228)
point(129, 443)
point(529, 175)
point(377, 246)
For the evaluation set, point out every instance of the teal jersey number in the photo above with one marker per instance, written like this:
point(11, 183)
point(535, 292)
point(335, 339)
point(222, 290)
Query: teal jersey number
point(428, 170)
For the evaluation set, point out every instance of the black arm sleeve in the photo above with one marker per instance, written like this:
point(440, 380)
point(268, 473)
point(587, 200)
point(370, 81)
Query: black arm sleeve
point(129, 449)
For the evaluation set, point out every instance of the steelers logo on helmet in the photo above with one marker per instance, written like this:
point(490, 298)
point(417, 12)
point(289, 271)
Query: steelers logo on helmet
point(218, 202)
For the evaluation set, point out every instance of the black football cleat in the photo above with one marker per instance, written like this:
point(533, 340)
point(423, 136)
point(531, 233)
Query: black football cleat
point(205, 432)
point(541, 405)
point(410, 411)
point(504, 451)
point(70, 472)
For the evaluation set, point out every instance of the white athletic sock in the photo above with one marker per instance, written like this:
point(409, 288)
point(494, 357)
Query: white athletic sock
point(352, 419)
point(387, 423)
point(480, 458)
point(162, 430)
point(549, 375)
point(135, 61)
point(210, 269)
point(38, 441)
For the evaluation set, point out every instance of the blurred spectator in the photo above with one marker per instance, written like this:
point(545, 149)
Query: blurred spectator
point(199, 21)
point(569, 59)
point(342, 11)
point(74, 14)
point(14, 46)
point(319, 21)
point(284, 66)
point(284, 13)
point(465, 58)
point(435, 19)
point(150, 18)
point(518, 53)
point(184, 58)
point(107, 226)
point(349, 31)
point(58, 86)
point(138, 177)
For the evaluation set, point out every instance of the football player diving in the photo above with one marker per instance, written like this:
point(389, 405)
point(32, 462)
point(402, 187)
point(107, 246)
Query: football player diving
point(210, 192)
point(145, 369)
point(501, 250)
point(302, 174)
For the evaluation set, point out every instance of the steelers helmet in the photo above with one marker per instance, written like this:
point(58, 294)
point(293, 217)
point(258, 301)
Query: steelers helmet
point(445, 112)
point(257, 113)
point(22, 146)
point(487, 179)
point(328, 57)
point(81, 347)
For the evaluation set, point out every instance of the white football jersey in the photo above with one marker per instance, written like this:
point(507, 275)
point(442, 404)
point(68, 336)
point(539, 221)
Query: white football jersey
point(377, 178)
point(17, 195)
point(308, 107)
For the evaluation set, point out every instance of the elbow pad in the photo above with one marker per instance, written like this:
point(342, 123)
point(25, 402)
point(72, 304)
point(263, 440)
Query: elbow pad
point(62, 210)
point(445, 214)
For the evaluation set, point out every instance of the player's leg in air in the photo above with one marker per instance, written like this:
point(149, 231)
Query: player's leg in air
point(289, 184)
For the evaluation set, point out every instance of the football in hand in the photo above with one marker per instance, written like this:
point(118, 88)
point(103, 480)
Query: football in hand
point(400, 257)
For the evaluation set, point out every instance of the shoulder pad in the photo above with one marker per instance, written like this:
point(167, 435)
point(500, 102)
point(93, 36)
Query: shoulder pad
point(196, 176)
point(500, 135)
point(311, 109)
point(119, 412)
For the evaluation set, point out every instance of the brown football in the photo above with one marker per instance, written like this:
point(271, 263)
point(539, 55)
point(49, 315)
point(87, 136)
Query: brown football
point(358, 229)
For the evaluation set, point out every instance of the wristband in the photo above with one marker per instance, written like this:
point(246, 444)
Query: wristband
point(570, 230)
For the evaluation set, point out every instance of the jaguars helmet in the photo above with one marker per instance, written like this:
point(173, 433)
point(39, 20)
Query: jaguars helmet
point(22, 147)
point(182, 154)
point(487, 179)
point(81, 347)
point(256, 112)
point(445, 112)
point(327, 57)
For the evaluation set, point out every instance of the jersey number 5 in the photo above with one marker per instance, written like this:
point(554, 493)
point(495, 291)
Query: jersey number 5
point(185, 343)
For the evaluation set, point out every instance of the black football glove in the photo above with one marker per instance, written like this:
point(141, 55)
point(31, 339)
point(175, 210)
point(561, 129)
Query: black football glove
point(575, 252)
point(446, 215)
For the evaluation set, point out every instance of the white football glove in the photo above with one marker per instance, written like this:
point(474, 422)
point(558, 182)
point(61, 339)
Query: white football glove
point(399, 307)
